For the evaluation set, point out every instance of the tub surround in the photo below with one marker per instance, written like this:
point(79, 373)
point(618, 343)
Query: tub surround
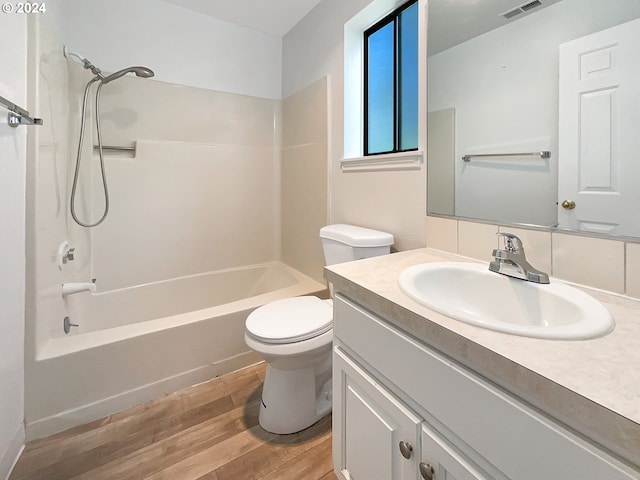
point(592, 386)
point(304, 180)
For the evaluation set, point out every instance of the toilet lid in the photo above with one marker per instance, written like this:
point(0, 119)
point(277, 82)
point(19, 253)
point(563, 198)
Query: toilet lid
point(290, 320)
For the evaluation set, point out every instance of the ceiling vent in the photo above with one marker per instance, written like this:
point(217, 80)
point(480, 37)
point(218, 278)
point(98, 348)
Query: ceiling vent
point(521, 9)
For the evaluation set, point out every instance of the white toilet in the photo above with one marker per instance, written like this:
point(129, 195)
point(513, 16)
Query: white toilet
point(294, 336)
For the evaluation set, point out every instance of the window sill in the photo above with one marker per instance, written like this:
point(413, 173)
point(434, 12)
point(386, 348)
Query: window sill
point(383, 163)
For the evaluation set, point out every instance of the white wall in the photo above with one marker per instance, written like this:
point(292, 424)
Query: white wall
point(180, 45)
point(13, 53)
point(390, 201)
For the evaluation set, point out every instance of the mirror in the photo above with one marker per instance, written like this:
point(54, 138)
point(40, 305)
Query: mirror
point(534, 113)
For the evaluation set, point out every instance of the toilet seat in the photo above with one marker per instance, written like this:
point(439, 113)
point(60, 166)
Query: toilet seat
point(290, 320)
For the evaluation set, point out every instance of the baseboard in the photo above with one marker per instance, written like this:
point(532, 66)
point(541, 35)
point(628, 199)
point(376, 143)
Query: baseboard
point(93, 411)
point(11, 455)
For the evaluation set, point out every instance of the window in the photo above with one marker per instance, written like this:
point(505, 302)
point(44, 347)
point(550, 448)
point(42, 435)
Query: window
point(391, 83)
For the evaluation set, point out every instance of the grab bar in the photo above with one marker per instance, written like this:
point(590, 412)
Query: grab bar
point(543, 154)
point(117, 148)
point(18, 115)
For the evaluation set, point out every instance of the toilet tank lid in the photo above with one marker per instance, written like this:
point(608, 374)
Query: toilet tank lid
point(356, 236)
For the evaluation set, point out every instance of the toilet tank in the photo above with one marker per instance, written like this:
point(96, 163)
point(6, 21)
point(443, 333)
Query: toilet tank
point(344, 243)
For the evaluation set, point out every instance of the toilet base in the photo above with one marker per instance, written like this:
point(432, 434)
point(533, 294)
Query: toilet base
point(293, 400)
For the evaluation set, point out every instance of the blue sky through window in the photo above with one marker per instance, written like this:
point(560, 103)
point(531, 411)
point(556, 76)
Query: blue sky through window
point(381, 87)
point(408, 86)
point(392, 83)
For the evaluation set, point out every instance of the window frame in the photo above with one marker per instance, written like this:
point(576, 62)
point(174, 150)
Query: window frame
point(392, 17)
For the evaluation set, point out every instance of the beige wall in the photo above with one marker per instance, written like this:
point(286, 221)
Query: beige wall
point(304, 201)
point(392, 201)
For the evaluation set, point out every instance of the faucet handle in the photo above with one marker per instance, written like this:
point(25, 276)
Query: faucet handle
point(511, 242)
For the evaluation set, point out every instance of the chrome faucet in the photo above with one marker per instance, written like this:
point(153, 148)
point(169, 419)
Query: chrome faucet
point(512, 261)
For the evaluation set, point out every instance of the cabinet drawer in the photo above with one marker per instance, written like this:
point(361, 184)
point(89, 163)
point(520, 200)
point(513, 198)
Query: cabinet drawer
point(515, 439)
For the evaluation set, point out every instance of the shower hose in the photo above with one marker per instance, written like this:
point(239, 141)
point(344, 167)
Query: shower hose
point(79, 156)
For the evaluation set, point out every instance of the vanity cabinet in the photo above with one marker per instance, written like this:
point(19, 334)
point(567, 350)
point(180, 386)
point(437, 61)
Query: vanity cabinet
point(380, 435)
point(402, 410)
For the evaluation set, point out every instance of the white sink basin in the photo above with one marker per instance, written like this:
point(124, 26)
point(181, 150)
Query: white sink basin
point(470, 293)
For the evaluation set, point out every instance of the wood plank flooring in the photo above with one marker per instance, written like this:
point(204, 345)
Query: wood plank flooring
point(206, 432)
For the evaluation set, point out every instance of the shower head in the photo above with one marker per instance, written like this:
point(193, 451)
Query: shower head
point(143, 72)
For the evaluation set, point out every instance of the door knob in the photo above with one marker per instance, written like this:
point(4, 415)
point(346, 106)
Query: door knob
point(426, 470)
point(568, 204)
point(406, 449)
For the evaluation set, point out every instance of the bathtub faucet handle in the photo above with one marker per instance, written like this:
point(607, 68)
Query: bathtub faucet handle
point(66, 253)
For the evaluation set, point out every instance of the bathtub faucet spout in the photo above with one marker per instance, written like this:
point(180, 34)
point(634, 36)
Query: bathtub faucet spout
point(77, 287)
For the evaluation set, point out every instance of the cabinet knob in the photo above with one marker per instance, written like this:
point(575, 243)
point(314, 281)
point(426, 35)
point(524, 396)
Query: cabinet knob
point(426, 470)
point(406, 449)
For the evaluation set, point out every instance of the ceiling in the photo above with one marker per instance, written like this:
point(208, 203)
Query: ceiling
point(275, 17)
point(461, 20)
point(458, 20)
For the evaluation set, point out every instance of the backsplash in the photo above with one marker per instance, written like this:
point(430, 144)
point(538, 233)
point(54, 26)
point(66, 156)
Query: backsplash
point(607, 264)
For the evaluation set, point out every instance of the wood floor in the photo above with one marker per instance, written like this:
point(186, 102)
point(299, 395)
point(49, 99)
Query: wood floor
point(206, 432)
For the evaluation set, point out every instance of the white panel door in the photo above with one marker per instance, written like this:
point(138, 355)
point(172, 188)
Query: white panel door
point(373, 425)
point(599, 144)
point(443, 462)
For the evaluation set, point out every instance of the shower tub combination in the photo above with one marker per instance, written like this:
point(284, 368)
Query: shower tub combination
point(136, 344)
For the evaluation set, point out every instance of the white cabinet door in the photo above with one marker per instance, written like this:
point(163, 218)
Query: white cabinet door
point(440, 461)
point(370, 425)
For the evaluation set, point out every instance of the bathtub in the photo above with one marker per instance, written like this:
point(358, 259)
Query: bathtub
point(139, 343)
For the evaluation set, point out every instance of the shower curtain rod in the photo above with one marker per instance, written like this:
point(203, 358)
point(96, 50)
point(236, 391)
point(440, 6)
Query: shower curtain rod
point(18, 115)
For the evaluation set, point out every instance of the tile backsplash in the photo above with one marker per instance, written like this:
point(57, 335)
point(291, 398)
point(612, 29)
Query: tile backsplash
point(607, 264)
point(476, 240)
point(597, 262)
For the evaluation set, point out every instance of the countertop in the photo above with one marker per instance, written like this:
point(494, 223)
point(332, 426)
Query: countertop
point(591, 386)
